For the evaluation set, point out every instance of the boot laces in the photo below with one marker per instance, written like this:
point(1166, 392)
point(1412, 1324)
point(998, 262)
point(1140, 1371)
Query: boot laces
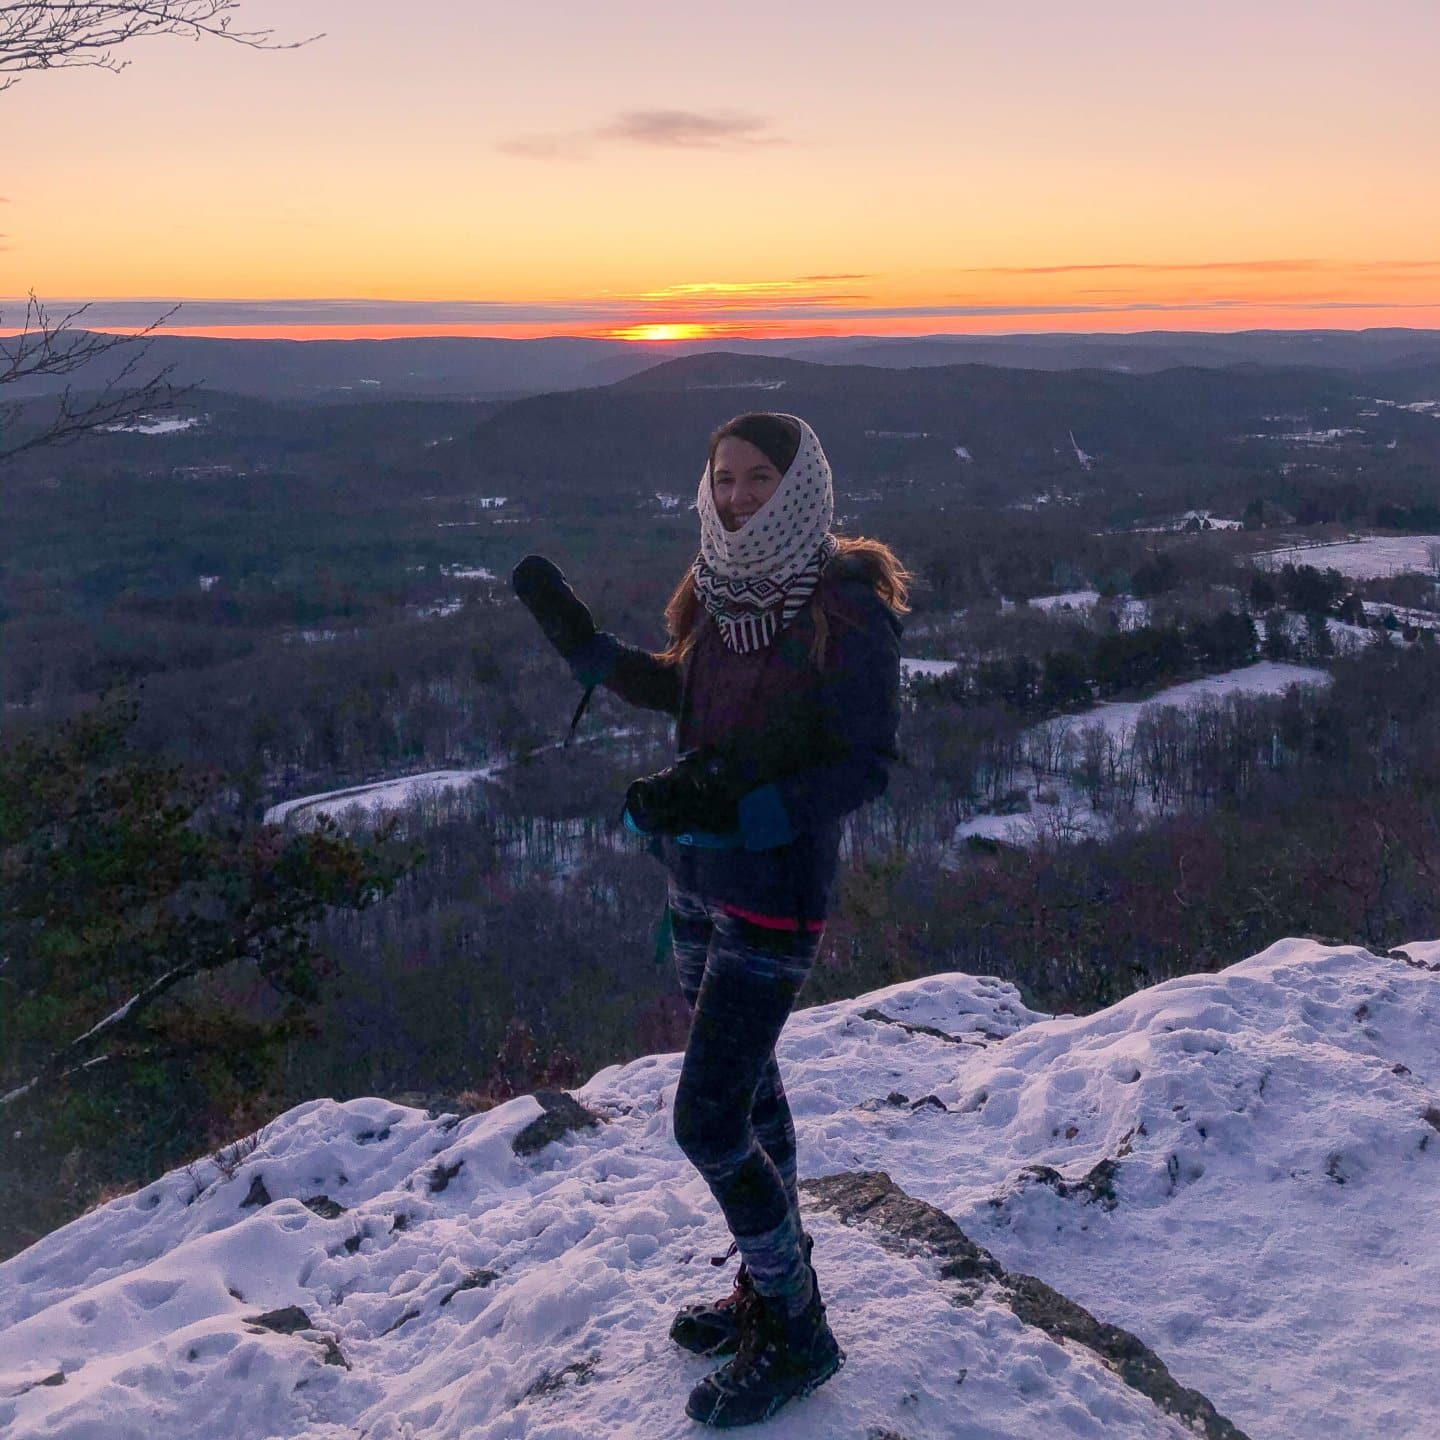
point(761, 1336)
point(721, 1259)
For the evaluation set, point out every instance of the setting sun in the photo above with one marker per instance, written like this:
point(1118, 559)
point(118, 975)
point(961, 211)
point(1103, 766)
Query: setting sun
point(677, 331)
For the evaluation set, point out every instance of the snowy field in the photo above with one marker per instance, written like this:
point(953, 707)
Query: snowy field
point(930, 668)
point(373, 800)
point(1422, 619)
point(153, 425)
point(1239, 1168)
point(1266, 677)
point(1373, 558)
point(1069, 815)
point(1070, 600)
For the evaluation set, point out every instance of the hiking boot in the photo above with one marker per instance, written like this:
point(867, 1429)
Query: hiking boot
point(713, 1328)
point(780, 1357)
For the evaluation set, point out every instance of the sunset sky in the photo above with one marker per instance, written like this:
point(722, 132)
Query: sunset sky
point(569, 167)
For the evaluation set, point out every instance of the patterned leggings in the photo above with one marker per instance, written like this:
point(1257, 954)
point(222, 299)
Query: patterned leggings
point(732, 1121)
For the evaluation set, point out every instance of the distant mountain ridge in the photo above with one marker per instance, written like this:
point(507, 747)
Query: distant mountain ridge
point(456, 367)
point(1014, 427)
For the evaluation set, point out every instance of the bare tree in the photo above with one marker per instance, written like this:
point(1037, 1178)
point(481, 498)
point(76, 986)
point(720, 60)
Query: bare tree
point(55, 36)
point(59, 36)
point(44, 349)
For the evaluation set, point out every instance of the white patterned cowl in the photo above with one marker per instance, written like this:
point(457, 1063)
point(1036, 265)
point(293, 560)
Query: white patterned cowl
point(755, 580)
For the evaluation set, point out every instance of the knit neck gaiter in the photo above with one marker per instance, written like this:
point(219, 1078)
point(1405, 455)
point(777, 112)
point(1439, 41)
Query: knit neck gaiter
point(755, 580)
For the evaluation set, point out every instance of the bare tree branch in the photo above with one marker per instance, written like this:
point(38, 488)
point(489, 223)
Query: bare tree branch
point(63, 35)
point(47, 348)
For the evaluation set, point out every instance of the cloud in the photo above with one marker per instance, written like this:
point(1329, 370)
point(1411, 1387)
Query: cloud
point(727, 295)
point(655, 129)
point(615, 312)
point(1258, 267)
point(688, 129)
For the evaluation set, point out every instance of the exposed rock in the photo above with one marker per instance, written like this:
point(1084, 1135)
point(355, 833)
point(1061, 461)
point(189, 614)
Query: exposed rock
point(332, 1352)
point(292, 1320)
point(442, 1175)
point(325, 1207)
point(1095, 1187)
point(871, 1198)
point(970, 1037)
point(404, 1319)
point(475, 1280)
point(257, 1194)
point(578, 1371)
point(58, 1378)
point(563, 1113)
point(1411, 961)
point(284, 1322)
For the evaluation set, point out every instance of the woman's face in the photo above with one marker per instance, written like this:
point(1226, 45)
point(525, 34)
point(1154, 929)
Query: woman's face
point(742, 479)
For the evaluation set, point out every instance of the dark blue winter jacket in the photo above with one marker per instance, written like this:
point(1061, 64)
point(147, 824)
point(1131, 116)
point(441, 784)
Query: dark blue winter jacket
point(841, 718)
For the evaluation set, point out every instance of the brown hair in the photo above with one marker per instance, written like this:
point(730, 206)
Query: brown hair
point(876, 561)
point(776, 436)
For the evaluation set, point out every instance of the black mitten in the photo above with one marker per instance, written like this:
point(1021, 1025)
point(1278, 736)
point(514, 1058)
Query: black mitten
point(561, 614)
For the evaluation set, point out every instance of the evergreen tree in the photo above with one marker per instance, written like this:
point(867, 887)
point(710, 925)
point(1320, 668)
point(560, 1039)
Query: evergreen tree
point(135, 915)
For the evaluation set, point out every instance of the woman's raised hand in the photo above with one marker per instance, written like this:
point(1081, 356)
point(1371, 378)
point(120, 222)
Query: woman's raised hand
point(564, 619)
point(562, 616)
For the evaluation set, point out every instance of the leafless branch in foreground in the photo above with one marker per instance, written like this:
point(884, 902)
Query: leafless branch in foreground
point(47, 348)
point(63, 35)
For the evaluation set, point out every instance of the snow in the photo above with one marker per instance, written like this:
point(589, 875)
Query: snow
point(1069, 815)
point(1327, 436)
point(153, 425)
point(1267, 677)
point(1208, 521)
point(910, 668)
point(1069, 600)
point(467, 572)
point(1370, 558)
point(1272, 1237)
point(963, 453)
point(738, 385)
point(373, 799)
point(1087, 462)
point(209, 582)
point(1424, 619)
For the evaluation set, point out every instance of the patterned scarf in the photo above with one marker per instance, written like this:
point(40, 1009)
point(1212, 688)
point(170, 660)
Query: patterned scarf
point(754, 581)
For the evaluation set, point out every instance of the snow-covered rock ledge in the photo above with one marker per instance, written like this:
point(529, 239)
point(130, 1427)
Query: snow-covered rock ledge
point(1238, 1169)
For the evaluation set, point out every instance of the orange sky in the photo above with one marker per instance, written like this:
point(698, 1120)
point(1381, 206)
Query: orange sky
point(587, 170)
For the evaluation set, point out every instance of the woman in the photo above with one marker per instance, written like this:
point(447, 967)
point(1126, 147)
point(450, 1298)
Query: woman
point(783, 672)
